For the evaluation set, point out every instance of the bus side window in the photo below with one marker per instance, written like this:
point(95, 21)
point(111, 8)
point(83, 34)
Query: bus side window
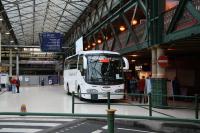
point(80, 65)
point(73, 63)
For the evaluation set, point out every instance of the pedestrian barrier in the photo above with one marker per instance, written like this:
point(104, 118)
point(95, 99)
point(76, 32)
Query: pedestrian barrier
point(150, 105)
point(111, 112)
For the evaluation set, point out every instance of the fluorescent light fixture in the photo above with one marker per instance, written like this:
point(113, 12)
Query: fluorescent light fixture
point(7, 33)
point(11, 41)
point(1, 19)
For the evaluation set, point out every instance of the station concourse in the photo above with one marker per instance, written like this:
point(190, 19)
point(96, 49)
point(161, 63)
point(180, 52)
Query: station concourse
point(159, 39)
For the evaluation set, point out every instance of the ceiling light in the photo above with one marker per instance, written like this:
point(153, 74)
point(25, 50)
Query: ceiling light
point(134, 55)
point(133, 60)
point(171, 49)
point(99, 41)
point(93, 44)
point(85, 48)
point(122, 28)
point(11, 41)
point(88, 46)
point(7, 33)
point(1, 19)
point(134, 22)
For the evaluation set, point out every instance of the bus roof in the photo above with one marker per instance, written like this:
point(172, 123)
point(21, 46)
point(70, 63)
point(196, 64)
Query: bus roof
point(95, 52)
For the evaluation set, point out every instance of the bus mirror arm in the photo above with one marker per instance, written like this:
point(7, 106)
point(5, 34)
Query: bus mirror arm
point(84, 63)
point(126, 64)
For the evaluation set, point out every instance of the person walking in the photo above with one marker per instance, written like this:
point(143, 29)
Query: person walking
point(17, 84)
point(176, 87)
point(147, 88)
point(133, 87)
point(13, 83)
point(141, 88)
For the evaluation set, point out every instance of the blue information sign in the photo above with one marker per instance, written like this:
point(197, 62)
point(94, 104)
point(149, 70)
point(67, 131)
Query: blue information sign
point(51, 41)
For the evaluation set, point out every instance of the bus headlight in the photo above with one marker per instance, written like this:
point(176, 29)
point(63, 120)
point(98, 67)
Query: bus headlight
point(92, 91)
point(119, 91)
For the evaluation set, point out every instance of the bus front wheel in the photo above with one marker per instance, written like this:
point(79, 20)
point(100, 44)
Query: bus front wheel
point(79, 94)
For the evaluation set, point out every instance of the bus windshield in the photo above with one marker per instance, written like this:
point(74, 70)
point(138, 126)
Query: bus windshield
point(105, 69)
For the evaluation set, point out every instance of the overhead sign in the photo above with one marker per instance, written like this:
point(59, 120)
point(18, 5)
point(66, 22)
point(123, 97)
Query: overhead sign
point(79, 45)
point(51, 41)
point(163, 61)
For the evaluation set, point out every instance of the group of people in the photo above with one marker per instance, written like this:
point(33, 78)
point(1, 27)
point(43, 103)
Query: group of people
point(14, 84)
point(143, 87)
point(140, 86)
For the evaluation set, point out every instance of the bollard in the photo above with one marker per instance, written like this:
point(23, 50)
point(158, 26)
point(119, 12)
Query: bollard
point(111, 120)
point(150, 105)
point(108, 100)
point(73, 102)
point(23, 109)
point(196, 107)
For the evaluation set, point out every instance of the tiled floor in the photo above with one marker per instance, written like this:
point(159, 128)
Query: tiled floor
point(54, 99)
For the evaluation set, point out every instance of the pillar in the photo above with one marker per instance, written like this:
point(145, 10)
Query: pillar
point(160, 70)
point(158, 82)
point(10, 63)
point(154, 62)
point(17, 64)
point(0, 49)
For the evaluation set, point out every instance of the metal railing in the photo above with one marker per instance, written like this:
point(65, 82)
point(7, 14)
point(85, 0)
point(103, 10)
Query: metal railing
point(111, 112)
point(151, 104)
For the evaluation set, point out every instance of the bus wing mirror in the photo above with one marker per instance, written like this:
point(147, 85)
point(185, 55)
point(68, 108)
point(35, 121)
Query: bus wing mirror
point(84, 63)
point(126, 67)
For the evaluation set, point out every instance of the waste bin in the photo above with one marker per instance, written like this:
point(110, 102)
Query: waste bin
point(159, 92)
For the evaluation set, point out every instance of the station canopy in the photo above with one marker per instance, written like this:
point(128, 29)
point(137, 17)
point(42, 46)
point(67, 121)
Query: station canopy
point(28, 18)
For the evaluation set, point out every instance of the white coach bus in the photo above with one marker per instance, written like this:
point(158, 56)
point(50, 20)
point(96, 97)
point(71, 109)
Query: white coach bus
point(95, 72)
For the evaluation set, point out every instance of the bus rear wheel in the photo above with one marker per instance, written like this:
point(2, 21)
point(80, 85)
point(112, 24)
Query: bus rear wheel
point(68, 93)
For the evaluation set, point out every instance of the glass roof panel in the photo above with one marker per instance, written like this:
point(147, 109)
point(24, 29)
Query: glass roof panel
point(31, 17)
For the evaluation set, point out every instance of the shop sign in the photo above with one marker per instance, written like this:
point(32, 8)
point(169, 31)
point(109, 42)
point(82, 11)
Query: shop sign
point(163, 61)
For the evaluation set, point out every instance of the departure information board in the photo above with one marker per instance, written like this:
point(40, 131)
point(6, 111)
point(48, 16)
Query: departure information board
point(51, 41)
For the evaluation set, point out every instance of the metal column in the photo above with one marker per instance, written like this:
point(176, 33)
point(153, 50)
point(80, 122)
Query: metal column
point(17, 64)
point(10, 65)
point(154, 62)
point(0, 49)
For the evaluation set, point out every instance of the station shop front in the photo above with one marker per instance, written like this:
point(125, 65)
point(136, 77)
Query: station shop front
point(183, 65)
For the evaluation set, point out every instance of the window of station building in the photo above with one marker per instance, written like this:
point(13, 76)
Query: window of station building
point(171, 4)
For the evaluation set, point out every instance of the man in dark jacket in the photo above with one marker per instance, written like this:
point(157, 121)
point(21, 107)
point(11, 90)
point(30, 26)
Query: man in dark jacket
point(18, 84)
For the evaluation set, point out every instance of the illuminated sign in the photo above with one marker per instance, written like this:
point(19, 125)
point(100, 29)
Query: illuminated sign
point(138, 68)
